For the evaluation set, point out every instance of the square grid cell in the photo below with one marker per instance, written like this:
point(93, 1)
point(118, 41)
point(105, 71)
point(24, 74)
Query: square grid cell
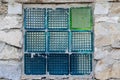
point(82, 42)
point(35, 65)
point(34, 18)
point(58, 41)
point(35, 41)
point(58, 64)
point(80, 64)
point(81, 18)
point(58, 18)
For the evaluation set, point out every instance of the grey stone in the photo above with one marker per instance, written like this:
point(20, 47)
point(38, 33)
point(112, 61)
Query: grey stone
point(115, 40)
point(107, 68)
point(14, 8)
point(10, 70)
point(2, 45)
point(12, 37)
point(115, 9)
point(49, 1)
point(101, 8)
point(10, 22)
point(9, 52)
point(100, 54)
point(107, 19)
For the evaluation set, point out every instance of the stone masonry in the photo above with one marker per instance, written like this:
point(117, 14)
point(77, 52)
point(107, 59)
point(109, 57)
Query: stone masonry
point(107, 38)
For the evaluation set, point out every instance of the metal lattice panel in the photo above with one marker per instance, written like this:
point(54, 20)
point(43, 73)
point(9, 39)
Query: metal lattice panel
point(35, 65)
point(34, 18)
point(82, 42)
point(81, 64)
point(35, 41)
point(58, 64)
point(81, 18)
point(58, 18)
point(58, 41)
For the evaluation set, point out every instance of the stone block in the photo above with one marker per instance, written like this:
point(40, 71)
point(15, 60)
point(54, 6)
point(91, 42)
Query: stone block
point(102, 35)
point(10, 70)
point(101, 8)
point(107, 69)
point(10, 22)
point(115, 9)
point(107, 19)
point(8, 52)
point(115, 40)
point(103, 68)
point(12, 37)
point(3, 8)
point(107, 34)
point(14, 8)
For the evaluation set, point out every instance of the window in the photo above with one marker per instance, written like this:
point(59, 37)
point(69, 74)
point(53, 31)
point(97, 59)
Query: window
point(58, 41)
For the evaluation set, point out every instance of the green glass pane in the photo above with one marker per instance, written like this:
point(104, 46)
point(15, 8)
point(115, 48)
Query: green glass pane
point(81, 18)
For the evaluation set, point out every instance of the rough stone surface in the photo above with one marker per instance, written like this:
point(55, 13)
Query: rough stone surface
point(100, 54)
point(9, 52)
point(12, 37)
point(48, 1)
point(115, 9)
point(3, 9)
point(101, 8)
point(116, 40)
point(107, 47)
point(102, 35)
point(10, 70)
point(104, 0)
point(10, 22)
point(107, 19)
point(108, 62)
point(14, 8)
point(107, 68)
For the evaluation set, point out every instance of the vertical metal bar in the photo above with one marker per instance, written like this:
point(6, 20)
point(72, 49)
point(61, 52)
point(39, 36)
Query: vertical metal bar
point(69, 41)
point(46, 31)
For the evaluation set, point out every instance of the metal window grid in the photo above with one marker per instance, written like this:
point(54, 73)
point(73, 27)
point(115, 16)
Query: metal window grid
point(58, 19)
point(52, 33)
point(81, 41)
point(58, 64)
point(35, 65)
point(34, 18)
point(35, 41)
point(81, 64)
point(58, 41)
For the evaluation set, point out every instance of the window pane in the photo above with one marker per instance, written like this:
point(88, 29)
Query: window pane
point(81, 64)
point(58, 18)
point(81, 18)
point(82, 42)
point(58, 41)
point(58, 64)
point(35, 65)
point(35, 41)
point(34, 18)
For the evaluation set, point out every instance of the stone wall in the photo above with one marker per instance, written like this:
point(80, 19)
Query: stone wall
point(107, 38)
